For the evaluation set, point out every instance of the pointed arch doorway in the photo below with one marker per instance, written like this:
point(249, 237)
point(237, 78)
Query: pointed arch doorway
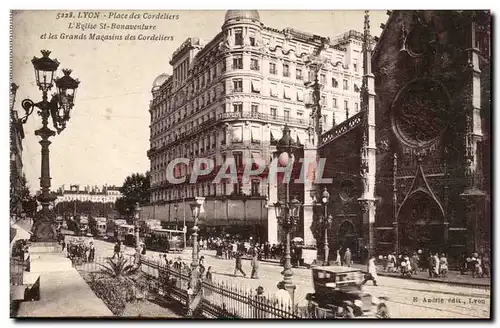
point(347, 237)
point(421, 222)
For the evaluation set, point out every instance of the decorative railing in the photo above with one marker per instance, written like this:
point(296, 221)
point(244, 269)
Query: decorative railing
point(219, 299)
point(225, 116)
point(17, 269)
point(342, 128)
point(262, 117)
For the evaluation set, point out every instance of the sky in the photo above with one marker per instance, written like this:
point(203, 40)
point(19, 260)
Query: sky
point(108, 134)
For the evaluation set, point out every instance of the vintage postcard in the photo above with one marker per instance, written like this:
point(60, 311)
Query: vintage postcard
point(250, 164)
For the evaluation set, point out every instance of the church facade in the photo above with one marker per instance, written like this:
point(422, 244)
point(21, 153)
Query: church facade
point(417, 159)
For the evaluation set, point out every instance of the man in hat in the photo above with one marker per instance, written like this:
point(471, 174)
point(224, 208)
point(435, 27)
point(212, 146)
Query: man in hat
point(238, 265)
point(348, 257)
point(255, 264)
point(260, 303)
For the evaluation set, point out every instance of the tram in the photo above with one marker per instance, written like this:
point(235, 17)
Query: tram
point(165, 240)
point(101, 227)
point(126, 234)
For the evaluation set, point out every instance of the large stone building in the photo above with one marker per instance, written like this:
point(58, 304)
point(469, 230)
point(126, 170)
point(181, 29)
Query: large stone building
point(95, 194)
point(16, 161)
point(230, 98)
point(421, 177)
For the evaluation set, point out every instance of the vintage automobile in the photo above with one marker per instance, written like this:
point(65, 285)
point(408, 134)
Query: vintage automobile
point(339, 294)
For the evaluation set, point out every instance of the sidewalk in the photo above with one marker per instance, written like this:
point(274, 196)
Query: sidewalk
point(64, 294)
point(454, 277)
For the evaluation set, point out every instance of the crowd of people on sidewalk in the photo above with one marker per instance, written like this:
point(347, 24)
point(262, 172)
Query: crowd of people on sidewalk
point(435, 264)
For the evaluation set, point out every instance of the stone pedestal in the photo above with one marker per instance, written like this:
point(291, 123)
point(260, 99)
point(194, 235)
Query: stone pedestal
point(48, 257)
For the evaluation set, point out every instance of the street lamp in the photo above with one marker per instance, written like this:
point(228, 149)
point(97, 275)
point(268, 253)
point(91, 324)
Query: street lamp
point(137, 218)
point(59, 108)
point(195, 274)
point(287, 212)
point(325, 198)
point(195, 210)
point(176, 207)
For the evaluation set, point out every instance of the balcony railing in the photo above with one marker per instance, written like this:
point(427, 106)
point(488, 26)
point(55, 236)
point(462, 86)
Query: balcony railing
point(262, 117)
point(225, 116)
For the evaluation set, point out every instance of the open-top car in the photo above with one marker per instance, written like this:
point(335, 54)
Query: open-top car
point(339, 294)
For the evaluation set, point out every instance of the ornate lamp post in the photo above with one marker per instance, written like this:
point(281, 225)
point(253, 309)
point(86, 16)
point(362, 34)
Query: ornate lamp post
point(137, 217)
point(195, 209)
point(59, 108)
point(325, 198)
point(287, 212)
point(176, 207)
point(195, 281)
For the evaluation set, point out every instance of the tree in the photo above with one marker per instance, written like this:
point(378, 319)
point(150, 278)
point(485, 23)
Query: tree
point(24, 198)
point(135, 189)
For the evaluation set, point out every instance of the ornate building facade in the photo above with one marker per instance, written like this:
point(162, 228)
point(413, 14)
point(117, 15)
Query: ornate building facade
point(95, 194)
point(230, 98)
point(421, 178)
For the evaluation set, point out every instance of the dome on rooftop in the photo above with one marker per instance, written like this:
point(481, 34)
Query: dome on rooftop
point(248, 14)
point(160, 79)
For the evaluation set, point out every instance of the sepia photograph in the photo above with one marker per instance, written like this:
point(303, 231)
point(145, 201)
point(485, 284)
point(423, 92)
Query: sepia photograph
point(250, 164)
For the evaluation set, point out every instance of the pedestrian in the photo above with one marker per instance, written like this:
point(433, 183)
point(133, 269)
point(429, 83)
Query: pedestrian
point(348, 257)
point(478, 269)
point(255, 265)
point(266, 250)
point(91, 252)
point(414, 263)
point(443, 266)
point(282, 296)
point(372, 272)
point(260, 303)
point(390, 262)
point(486, 265)
point(430, 265)
point(238, 265)
point(202, 262)
point(406, 267)
point(338, 259)
point(234, 249)
point(435, 265)
point(63, 244)
point(143, 252)
point(117, 249)
point(208, 276)
point(464, 262)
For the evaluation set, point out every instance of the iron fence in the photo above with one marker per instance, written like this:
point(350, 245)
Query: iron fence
point(17, 269)
point(219, 299)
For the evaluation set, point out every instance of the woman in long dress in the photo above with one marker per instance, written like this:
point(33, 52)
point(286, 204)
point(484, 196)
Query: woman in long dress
point(443, 266)
point(338, 259)
point(255, 265)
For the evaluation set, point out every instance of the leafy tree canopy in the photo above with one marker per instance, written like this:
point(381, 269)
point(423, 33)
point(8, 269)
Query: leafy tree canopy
point(135, 189)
